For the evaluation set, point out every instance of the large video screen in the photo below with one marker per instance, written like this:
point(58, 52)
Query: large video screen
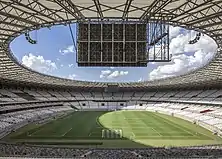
point(112, 44)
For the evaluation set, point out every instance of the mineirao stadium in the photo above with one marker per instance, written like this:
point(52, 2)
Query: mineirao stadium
point(110, 79)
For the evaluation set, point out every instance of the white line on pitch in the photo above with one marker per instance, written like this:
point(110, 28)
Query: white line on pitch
point(133, 135)
point(90, 134)
point(34, 132)
point(67, 132)
point(156, 131)
point(181, 128)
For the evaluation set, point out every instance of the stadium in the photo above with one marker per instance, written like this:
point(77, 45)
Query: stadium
point(43, 116)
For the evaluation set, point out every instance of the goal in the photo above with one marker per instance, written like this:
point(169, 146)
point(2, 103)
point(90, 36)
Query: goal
point(112, 134)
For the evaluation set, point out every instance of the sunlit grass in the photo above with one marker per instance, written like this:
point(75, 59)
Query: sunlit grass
point(139, 129)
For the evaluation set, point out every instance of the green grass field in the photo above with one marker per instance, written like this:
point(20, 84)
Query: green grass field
point(138, 129)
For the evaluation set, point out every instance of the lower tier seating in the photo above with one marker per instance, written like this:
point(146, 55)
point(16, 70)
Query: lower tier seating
point(11, 121)
point(211, 120)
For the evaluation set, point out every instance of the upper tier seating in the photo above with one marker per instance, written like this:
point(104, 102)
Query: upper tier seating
point(12, 95)
point(26, 105)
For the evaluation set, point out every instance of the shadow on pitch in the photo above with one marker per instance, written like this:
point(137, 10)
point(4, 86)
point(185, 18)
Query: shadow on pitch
point(89, 133)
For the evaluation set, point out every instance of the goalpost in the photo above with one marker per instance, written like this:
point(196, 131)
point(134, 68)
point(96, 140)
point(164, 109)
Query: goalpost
point(112, 134)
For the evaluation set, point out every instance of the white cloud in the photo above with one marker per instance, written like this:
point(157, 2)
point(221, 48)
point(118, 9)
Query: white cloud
point(70, 65)
point(112, 68)
point(38, 63)
point(101, 76)
point(116, 74)
point(174, 31)
point(141, 79)
point(108, 74)
point(104, 73)
point(69, 49)
point(72, 76)
point(157, 50)
point(181, 63)
point(61, 65)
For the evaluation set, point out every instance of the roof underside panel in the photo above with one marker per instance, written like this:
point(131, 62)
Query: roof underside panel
point(18, 16)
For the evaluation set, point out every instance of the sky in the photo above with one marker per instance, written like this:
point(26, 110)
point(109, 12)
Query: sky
point(54, 54)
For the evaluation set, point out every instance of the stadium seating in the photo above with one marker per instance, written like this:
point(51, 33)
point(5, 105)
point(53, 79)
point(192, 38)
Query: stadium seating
point(14, 95)
point(203, 152)
point(20, 107)
point(87, 99)
point(26, 95)
point(14, 120)
point(211, 120)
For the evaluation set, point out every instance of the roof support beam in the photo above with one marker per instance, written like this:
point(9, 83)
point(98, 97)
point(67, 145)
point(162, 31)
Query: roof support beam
point(12, 24)
point(44, 12)
point(154, 8)
point(126, 9)
point(18, 18)
point(98, 8)
point(216, 35)
point(49, 12)
point(70, 8)
point(3, 39)
point(9, 30)
point(25, 14)
point(112, 8)
point(191, 6)
point(136, 8)
point(215, 30)
point(7, 35)
point(204, 18)
point(210, 25)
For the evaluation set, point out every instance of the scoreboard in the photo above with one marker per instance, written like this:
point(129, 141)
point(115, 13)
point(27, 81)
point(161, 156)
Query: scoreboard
point(112, 44)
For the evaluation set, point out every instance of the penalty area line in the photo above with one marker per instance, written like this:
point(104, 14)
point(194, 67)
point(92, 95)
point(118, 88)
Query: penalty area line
point(67, 132)
point(156, 131)
point(132, 136)
point(35, 132)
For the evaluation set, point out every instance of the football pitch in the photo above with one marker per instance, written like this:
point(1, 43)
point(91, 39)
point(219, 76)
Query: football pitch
point(115, 129)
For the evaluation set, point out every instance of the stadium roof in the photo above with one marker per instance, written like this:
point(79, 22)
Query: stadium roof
point(18, 16)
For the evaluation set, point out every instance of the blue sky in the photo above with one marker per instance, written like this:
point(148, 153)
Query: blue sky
point(54, 55)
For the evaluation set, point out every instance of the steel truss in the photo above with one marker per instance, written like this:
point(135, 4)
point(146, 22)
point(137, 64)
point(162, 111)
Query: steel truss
point(158, 41)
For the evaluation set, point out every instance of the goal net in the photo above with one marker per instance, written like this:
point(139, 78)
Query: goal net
point(112, 134)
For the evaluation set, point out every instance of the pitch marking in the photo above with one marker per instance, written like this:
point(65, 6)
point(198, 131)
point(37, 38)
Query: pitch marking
point(156, 131)
point(35, 132)
point(133, 136)
point(171, 123)
point(67, 132)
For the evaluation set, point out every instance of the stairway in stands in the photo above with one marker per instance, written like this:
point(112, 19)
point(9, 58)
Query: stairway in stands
point(25, 96)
